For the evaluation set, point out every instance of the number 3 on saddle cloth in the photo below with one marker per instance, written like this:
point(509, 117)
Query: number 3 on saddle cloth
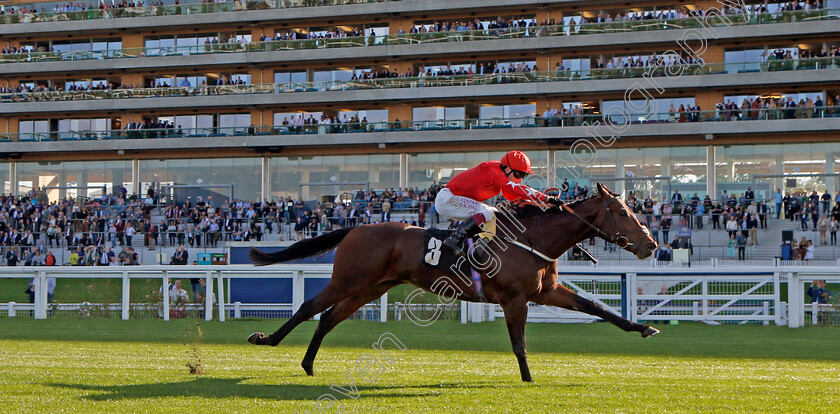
point(435, 255)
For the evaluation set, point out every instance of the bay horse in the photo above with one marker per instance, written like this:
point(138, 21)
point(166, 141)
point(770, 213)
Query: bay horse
point(372, 259)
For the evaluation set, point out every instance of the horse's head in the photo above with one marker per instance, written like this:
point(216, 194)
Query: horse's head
point(621, 224)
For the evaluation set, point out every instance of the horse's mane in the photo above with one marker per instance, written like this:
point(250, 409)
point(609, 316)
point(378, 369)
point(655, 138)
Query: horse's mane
point(523, 208)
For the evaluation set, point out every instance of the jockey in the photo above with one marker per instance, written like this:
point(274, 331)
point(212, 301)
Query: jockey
point(462, 198)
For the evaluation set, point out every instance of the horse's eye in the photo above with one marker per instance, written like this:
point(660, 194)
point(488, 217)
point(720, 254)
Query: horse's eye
point(623, 212)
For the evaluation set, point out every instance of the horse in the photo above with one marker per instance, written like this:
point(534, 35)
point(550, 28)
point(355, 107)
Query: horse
point(371, 259)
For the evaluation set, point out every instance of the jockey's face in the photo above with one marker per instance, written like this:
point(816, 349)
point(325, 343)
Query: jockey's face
point(514, 175)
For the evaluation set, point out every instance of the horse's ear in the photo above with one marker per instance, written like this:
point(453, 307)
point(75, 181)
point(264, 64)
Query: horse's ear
point(605, 192)
point(602, 190)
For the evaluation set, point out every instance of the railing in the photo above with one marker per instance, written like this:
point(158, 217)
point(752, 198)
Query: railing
point(431, 125)
point(186, 7)
point(420, 38)
point(423, 82)
point(706, 294)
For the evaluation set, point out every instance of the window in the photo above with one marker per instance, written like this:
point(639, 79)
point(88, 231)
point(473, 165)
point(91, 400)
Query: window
point(75, 128)
point(290, 77)
point(515, 114)
point(337, 75)
point(432, 117)
point(33, 129)
point(231, 124)
point(739, 61)
point(642, 111)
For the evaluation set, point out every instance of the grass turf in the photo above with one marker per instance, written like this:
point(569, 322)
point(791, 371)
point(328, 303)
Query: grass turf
point(76, 365)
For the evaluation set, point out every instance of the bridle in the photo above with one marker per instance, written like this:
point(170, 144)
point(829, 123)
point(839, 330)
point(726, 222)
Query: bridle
point(619, 239)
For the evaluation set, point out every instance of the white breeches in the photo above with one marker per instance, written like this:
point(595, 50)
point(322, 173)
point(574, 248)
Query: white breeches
point(457, 207)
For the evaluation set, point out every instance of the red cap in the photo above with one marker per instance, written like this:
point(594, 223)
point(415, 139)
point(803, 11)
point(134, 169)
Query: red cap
point(517, 160)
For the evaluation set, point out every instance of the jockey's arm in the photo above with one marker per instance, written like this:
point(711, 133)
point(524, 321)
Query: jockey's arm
point(513, 191)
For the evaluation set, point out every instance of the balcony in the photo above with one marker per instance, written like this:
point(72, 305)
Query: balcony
point(700, 124)
point(419, 45)
point(817, 72)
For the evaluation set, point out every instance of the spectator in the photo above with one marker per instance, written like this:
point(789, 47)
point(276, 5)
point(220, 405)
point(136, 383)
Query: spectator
point(777, 198)
point(129, 233)
point(826, 201)
point(11, 258)
point(178, 298)
point(741, 242)
point(833, 226)
point(809, 251)
point(74, 258)
point(731, 225)
point(822, 227)
point(202, 292)
point(664, 253)
point(730, 251)
point(180, 257)
point(818, 292)
point(654, 230)
point(752, 226)
point(665, 226)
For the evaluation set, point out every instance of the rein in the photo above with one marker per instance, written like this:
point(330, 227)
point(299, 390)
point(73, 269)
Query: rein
point(620, 240)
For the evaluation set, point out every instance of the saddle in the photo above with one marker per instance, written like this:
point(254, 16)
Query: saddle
point(444, 259)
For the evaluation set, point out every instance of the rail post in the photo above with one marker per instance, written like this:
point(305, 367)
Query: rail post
point(165, 293)
point(126, 297)
point(221, 297)
point(463, 312)
point(383, 308)
point(796, 308)
point(208, 296)
point(298, 286)
point(41, 296)
point(766, 310)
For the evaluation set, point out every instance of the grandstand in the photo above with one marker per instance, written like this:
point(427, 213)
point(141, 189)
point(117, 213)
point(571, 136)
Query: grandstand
point(304, 104)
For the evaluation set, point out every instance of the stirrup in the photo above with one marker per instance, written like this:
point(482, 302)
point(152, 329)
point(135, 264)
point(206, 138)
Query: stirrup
point(455, 243)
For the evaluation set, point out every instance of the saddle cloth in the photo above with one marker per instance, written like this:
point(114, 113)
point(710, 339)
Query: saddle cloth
point(441, 258)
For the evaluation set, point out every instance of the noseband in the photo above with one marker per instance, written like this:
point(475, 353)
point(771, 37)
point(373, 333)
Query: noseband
point(618, 239)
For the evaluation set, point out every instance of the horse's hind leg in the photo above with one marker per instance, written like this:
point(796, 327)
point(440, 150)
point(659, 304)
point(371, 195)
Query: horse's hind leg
point(338, 313)
point(562, 297)
point(516, 313)
point(321, 302)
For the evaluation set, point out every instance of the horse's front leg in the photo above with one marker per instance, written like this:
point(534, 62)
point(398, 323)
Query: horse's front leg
point(516, 312)
point(562, 297)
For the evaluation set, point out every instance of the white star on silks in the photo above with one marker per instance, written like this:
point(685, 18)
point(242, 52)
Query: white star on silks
point(532, 193)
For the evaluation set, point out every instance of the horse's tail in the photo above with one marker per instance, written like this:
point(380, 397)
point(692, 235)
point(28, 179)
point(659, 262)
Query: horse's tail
point(301, 249)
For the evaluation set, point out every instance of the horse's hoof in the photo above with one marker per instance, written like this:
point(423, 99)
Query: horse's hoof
point(257, 338)
point(650, 331)
point(309, 371)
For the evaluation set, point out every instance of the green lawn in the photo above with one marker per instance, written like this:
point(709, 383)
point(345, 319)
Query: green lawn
point(140, 366)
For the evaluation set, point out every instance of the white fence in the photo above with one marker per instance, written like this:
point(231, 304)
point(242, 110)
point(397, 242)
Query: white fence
point(709, 292)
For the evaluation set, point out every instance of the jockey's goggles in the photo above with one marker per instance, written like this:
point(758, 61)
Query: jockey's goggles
point(519, 174)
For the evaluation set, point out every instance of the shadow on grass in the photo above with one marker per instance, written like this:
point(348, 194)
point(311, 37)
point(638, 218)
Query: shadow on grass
point(236, 388)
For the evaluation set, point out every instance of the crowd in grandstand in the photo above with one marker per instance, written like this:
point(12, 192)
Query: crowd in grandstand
point(30, 225)
point(773, 108)
point(672, 220)
point(92, 232)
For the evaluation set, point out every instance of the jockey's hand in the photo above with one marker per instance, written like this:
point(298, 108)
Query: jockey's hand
point(555, 201)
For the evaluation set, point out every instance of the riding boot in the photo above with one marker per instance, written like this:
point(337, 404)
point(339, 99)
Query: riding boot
point(455, 241)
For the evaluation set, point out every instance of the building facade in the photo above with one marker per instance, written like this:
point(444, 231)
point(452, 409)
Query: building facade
point(303, 99)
